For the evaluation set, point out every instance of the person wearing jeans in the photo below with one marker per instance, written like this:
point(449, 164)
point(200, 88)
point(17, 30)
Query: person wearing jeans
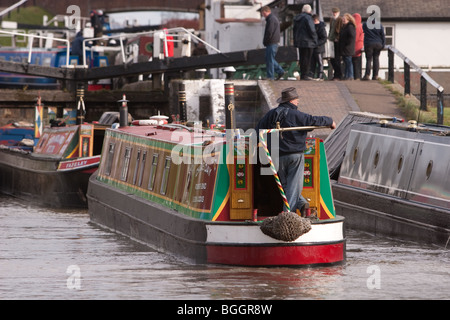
point(270, 41)
point(347, 44)
point(349, 75)
point(272, 65)
point(291, 178)
point(292, 144)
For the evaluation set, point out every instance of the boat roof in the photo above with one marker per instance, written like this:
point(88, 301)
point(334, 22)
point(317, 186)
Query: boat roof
point(175, 133)
point(429, 129)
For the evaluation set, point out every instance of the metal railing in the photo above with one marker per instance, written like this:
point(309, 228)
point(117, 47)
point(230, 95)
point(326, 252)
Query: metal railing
point(31, 37)
point(14, 6)
point(424, 79)
point(162, 34)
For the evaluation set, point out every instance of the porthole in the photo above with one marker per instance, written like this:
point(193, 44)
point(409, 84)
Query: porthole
point(355, 154)
point(429, 169)
point(400, 164)
point(376, 159)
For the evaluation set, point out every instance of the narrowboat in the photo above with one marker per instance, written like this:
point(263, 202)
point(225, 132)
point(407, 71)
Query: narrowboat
point(47, 57)
point(50, 166)
point(394, 181)
point(55, 171)
point(43, 57)
point(200, 195)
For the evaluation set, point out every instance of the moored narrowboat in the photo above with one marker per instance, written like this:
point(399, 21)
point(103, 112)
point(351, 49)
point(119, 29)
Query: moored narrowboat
point(199, 194)
point(394, 181)
point(55, 171)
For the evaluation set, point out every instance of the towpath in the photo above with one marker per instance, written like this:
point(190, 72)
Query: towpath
point(336, 98)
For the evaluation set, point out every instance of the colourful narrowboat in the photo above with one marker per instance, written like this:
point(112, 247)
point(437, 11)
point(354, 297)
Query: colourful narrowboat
point(55, 171)
point(199, 194)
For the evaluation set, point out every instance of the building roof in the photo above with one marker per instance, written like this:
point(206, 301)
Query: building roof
point(406, 10)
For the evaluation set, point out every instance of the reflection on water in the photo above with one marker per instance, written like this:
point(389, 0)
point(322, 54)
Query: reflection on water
point(47, 254)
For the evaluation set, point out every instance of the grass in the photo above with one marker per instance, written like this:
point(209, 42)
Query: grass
point(28, 15)
point(410, 106)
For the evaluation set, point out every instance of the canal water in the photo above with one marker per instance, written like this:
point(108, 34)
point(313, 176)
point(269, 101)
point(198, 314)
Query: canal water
point(59, 254)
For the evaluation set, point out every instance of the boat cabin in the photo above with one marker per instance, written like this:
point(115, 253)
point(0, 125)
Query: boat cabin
point(206, 174)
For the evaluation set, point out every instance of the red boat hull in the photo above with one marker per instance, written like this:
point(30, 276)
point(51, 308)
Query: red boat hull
point(289, 255)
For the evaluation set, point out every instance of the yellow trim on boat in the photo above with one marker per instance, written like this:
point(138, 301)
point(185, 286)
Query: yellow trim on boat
point(224, 202)
point(324, 206)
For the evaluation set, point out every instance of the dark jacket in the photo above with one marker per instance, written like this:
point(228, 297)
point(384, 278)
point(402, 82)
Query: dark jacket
point(292, 141)
point(77, 46)
point(272, 31)
point(321, 37)
point(374, 35)
point(347, 40)
point(305, 35)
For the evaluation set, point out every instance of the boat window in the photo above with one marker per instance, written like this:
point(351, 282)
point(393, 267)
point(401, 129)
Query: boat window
point(142, 167)
point(400, 164)
point(110, 159)
point(136, 168)
point(355, 154)
point(126, 164)
point(429, 169)
point(151, 180)
point(376, 159)
point(165, 177)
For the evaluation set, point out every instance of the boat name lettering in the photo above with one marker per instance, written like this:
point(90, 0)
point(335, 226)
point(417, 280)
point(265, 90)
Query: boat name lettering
point(76, 164)
point(198, 199)
point(205, 168)
point(201, 186)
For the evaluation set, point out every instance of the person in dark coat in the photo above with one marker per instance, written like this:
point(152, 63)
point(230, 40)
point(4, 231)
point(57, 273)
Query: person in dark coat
point(333, 36)
point(317, 57)
point(305, 38)
point(347, 44)
point(77, 46)
point(270, 41)
point(292, 144)
point(374, 42)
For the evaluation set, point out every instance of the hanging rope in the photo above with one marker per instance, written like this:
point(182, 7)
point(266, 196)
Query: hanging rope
point(272, 166)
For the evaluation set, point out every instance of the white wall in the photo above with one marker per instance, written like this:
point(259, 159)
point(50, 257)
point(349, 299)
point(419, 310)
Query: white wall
point(425, 43)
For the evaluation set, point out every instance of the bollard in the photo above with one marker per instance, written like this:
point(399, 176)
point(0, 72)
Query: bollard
point(182, 103)
point(123, 122)
point(423, 93)
point(407, 76)
point(440, 106)
point(230, 112)
point(391, 66)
